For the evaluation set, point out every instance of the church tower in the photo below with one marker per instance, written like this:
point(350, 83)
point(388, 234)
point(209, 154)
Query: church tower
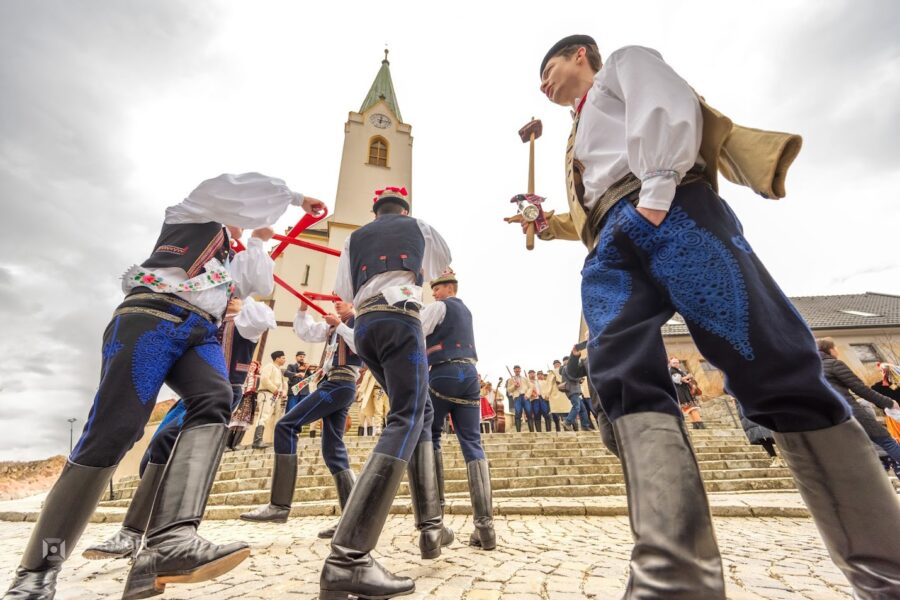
point(377, 153)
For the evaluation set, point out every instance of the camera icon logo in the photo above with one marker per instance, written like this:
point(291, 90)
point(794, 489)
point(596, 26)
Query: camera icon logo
point(54, 549)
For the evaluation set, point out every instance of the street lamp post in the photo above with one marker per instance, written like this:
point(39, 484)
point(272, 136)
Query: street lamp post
point(71, 432)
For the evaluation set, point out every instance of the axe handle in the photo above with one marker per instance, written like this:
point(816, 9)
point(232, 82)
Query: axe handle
point(531, 165)
point(529, 237)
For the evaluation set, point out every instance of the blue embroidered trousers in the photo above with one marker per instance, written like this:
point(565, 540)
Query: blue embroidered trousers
point(393, 347)
point(698, 263)
point(141, 350)
point(457, 380)
point(330, 402)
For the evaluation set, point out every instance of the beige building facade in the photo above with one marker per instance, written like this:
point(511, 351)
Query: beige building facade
point(377, 153)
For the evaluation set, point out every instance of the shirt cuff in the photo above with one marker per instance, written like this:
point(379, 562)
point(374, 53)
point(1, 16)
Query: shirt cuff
point(657, 192)
point(297, 198)
point(254, 242)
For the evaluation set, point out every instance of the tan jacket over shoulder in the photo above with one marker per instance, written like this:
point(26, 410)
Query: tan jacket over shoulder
point(559, 402)
point(271, 379)
point(516, 386)
point(754, 158)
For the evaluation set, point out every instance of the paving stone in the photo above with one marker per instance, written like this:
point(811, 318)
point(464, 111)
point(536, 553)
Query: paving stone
point(538, 558)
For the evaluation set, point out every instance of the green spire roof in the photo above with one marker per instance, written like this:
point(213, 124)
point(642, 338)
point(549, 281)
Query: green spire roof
point(382, 89)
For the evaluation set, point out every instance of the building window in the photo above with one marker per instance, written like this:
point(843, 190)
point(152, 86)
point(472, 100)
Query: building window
point(866, 353)
point(858, 313)
point(306, 277)
point(378, 152)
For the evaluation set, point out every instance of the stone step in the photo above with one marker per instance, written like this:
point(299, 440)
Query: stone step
point(455, 467)
point(256, 490)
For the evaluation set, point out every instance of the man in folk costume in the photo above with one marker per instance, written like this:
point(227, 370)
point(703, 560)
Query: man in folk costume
point(296, 373)
point(556, 397)
point(165, 331)
point(518, 390)
point(272, 388)
point(330, 402)
point(380, 271)
point(536, 399)
point(239, 333)
point(455, 391)
point(642, 164)
point(374, 405)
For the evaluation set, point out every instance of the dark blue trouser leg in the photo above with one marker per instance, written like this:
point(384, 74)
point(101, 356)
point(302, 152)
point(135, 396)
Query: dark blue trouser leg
point(330, 398)
point(393, 348)
point(458, 381)
point(698, 263)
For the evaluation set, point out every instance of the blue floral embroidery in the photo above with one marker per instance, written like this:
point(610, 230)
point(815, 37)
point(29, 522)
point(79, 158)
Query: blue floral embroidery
point(699, 271)
point(418, 357)
point(604, 288)
point(214, 357)
point(741, 243)
point(326, 397)
point(154, 354)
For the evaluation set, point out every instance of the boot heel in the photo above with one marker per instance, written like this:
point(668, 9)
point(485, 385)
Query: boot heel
point(142, 583)
point(332, 595)
point(488, 540)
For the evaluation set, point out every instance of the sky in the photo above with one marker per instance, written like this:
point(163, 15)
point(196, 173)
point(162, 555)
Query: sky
point(111, 111)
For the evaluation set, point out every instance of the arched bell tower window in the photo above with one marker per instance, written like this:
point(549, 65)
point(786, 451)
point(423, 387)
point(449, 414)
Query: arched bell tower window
point(378, 151)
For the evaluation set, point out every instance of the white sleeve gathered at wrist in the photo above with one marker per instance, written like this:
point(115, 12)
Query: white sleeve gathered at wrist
point(253, 270)
point(254, 319)
point(297, 198)
point(657, 192)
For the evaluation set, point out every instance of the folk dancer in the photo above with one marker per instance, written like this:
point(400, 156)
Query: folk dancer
point(330, 402)
point(165, 331)
point(642, 167)
point(455, 391)
point(380, 271)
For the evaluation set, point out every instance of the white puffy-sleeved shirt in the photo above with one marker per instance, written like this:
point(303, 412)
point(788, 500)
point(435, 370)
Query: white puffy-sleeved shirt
point(248, 200)
point(254, 319)
point(310, 330)
point(435, 260)
point(641, 117)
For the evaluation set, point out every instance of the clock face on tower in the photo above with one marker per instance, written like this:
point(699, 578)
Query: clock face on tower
point(380, 121)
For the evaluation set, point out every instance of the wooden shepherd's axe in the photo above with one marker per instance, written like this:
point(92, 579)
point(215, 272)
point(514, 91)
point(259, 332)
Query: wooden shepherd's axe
point(530, 132)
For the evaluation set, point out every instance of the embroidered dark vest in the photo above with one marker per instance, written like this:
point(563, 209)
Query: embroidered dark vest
point(389, 243)
point(188, 246)
point(454, 338)
point(343, 356)
point(238, 352)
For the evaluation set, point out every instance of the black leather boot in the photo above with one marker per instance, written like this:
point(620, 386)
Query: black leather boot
point(852, 502)
point(519, 424)
point(530, 422)
point(439, 475)
point(258, 437)
point(66, 512)
point(360, 431)
point(426, 502)
point(172, 550)
point(479, 474)
point(537, 424)
point(350, 569)
point(284, 479)
point(126, 542)
point(343, 481)
point(675, 554)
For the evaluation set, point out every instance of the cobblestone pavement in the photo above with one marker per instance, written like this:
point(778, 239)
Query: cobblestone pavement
point(538, 558)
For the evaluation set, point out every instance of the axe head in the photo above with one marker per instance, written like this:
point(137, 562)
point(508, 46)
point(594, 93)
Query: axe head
point(534, 126)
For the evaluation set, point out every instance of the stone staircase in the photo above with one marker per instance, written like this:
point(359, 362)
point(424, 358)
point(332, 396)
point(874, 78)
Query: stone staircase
point(530, 468)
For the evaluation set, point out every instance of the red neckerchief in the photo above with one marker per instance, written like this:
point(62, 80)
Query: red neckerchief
point(580, 105)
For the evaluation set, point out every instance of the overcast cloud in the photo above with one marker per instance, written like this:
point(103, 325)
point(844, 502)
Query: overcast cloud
point(110, 111)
